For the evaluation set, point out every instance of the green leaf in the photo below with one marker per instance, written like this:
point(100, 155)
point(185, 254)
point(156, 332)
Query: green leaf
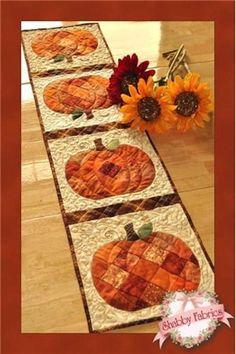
point(77, 113)
point(145, 231)
point(59, 57)
point(113, 144)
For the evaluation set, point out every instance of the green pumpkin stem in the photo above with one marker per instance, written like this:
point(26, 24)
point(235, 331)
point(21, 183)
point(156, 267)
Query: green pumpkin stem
point(99, 145)
point(131, 234)
point(145, 231)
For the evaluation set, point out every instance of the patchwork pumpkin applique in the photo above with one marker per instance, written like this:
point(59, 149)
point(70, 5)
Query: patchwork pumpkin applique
point(136, 273)
point(78, 95)
point(109, 171)
point(62, 44)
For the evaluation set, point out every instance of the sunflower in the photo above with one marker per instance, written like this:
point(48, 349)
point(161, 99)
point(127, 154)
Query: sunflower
point(192, 98)
point(147, 108)
point(128, 72)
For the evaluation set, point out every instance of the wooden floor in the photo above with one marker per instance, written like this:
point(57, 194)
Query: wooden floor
point(51, 301)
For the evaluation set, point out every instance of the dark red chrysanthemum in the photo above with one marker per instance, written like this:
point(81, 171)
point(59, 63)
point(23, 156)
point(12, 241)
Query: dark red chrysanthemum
point(128, 72)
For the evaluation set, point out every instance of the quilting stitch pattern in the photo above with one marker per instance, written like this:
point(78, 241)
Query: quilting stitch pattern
point(56, 105)
point(63, 149)
point(88, 237)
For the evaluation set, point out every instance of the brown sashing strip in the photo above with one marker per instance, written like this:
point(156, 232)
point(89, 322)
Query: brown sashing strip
point(120, 209)
point(69, 217)
point(75, 69)
point(64, 133)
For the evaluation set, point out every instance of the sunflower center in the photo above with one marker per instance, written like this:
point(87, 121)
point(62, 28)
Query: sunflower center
point(187, 103)
point(128, 79)
point(148, 108)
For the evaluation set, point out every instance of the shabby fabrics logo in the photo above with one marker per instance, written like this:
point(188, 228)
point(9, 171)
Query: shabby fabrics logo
point(189, 318)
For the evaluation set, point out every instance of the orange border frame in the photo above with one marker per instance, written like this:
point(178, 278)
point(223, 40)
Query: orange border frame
point(222, 12)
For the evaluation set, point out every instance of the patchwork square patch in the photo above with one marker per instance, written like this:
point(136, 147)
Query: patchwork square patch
point(153, 294)
point(145, 269)
point(155, 254)
point(134, 285)
point(115, 276)
point(109, 169)
point(173, 263)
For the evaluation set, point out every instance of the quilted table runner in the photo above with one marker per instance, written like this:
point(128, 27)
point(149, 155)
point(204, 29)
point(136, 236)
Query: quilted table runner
point(130, 236)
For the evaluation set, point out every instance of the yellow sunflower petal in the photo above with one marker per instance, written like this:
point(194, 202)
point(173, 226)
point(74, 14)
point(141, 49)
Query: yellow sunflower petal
point(150, 82)
point(126, 119)
point(186, 85)
point(142, 87)
point(181, 124)
point(179, 81)
point(162, 90)
point(207, 118)
point(133, 92)
point(150, 85)
point(128, 108)
point(203, 93)
point(199, 120)
point(211, 107)
point(199, 123)
point(154, 93)
point(194, 80)
point(164, 99)
point(173, 89)
point(171, 107)
point(191, 81)
point(126, 98)
point(134, 124)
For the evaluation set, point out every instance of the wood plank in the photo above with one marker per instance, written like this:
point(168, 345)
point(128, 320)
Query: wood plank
point(51, 300)
point(197, 37)
point(39, 198)
point(200, 206)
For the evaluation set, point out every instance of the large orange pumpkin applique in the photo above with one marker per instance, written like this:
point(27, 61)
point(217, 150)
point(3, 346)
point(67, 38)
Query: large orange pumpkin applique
point(64, 43)
point(137, 273)
point(106, 172)
point(84, 93)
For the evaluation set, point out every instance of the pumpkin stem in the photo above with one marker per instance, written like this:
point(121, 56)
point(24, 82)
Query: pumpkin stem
point(131, 234)
point(69, 59)
point(89, 115)
point(99, 145)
